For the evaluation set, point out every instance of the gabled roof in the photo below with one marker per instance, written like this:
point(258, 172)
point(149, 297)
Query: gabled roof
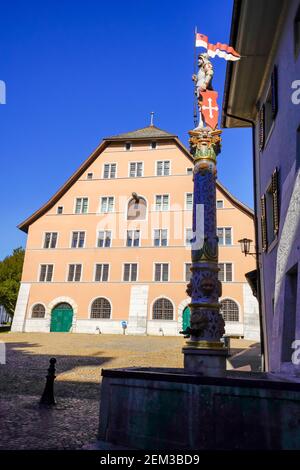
point(150, 132)
point(236, 202)
point(140, 134)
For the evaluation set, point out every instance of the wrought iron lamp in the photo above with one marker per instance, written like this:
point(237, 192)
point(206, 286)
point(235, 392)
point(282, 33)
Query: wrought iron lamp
point(245, 246)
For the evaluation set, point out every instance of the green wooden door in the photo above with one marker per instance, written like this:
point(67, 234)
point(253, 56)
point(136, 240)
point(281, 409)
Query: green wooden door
point(186, 318)
point(61, 318)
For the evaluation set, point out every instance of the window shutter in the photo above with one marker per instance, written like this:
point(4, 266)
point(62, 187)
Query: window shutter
point(262, 128)
point(263, 223)
point(274, 88)
point(275, 196)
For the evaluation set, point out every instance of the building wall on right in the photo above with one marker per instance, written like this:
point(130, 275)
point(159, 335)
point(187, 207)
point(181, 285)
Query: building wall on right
point(278, 196)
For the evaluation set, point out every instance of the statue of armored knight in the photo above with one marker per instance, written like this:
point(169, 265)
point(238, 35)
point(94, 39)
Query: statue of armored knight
point(203, 81)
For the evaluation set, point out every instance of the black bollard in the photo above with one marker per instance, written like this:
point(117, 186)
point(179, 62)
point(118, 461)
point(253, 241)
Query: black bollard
point(48, 394)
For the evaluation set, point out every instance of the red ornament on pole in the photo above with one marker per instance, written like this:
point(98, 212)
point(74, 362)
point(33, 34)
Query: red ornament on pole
point(209, 108)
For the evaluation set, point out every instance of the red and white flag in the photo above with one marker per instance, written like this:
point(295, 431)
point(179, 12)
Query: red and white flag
point(221, 50)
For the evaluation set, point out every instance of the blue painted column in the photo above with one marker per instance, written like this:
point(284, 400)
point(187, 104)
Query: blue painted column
point(204, 352)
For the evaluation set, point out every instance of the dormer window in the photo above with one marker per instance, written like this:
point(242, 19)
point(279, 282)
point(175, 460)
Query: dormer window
point(153, 145)
point(128, 146)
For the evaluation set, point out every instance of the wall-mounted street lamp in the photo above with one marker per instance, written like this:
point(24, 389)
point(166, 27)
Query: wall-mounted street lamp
point(245, 246)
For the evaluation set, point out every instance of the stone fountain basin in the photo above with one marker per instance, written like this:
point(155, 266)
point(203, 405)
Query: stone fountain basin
point(164, 408)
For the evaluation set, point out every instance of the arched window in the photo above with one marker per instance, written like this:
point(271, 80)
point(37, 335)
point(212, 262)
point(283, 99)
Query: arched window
point(162, 309)
point(137, 208)
point(38, 311)
point(229, 310)
point(100, 308)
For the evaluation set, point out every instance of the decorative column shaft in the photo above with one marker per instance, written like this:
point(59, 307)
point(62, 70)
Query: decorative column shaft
point(204, 352)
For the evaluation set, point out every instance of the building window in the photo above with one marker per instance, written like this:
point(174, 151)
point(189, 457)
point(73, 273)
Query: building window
point(109, 170)
point(74, 274)
point(38, 311)
point(160, 237)
point(133, 238)
point(189, 201)
point(162, 310)
point(188, 236)
point(297, 33)
point(225, 272)
point(101, 308)
point(101, 272)
point(81, 205)
point(269, 110)
point(60, 209)
point(153, 145)
point(46, 272)
point(189, 171)
point(128, 146)
point(130, 272)
point(50, 240)
point(163, 168)
point(78, 239)
point(220, 204)
point(188, 273)
point(136, 169)
point(89, 176)
point(224, 235)
point(104, 239)
point(161, 272)
point(162, 202)
point(107, 204)
point(137, 208)
point(289, 313)
point(230, 310)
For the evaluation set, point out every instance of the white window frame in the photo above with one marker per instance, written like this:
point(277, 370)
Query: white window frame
point(75, 204)
point(81, 272)
point(187, 170)
point(40, 269)
point(109, 173)
point(60, 213)
point(107, 212)
point(132, 230)
point(95, 270)
point(89, 173)
point(185, 201)
point(71, 240)
point(232, 271)
point(97, 238)
point(126, 149)
point(185, 235)
point(163, 161)
point(169, 270)
point(220, 200)
point(44, 239)
point(224, 244)
point(136, 162)
point(160, 238)
point(156, 145)
point(162, 205)
point(184, 269)
point(137, 270)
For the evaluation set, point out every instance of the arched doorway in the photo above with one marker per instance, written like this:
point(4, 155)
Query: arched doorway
point(186, 316)
point(61, 318)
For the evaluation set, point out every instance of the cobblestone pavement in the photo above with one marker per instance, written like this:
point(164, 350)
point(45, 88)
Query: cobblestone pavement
point(73, 422)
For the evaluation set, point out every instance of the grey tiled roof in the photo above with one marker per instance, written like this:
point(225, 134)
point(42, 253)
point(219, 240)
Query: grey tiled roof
point(144, 133)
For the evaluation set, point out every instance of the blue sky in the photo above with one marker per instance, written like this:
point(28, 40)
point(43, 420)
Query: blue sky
point(77, 71)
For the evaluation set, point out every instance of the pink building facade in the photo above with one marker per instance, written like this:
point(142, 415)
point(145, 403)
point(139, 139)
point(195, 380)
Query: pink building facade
point(111, 247)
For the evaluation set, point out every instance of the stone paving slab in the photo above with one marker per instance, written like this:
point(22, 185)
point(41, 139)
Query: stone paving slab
point(73, 422)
